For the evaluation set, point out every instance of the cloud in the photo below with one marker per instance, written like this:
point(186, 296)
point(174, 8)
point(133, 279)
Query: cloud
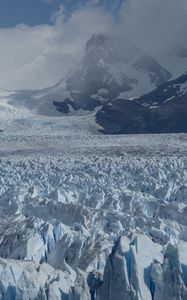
point(37, 57)
point(155, 25)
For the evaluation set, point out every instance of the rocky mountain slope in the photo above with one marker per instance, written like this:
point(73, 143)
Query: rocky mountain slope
point(160, 111)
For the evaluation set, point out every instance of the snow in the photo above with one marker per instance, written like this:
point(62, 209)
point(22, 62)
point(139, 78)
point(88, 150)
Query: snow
point(183, 88)
point(67, 193)
point(142, 83)
point(169, 99)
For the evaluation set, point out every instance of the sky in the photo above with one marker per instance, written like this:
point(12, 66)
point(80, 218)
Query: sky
point(38, 12)
point(42, 40)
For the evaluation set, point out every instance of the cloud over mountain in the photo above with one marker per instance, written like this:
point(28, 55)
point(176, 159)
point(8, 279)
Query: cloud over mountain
point(36, 57)
point(39, 56)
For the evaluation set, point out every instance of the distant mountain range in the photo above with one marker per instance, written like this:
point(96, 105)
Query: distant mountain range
point(129, 90)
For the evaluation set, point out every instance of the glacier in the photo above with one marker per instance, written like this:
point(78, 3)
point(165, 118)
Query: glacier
point(89, 216)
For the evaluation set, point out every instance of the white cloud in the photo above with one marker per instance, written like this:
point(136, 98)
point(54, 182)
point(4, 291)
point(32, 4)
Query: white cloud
point(155, 25)
point(36, 57)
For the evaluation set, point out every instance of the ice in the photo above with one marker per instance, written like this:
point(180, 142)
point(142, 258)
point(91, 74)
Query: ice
point(73, 201)
point(26, 280)
point(71, 208)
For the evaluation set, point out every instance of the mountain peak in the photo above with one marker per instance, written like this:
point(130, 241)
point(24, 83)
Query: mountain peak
point(95, 41)
point(110, 68)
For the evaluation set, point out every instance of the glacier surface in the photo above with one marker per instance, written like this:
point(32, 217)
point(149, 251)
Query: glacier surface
point(87, 216)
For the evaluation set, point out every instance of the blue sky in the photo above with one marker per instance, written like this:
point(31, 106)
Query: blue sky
point(37, 12)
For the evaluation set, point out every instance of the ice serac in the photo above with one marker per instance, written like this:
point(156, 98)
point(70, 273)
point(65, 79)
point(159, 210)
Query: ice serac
point(168, 277)
point(142, 270)
point(116, 274)
point(128, 268)
point(26, 280)
point(102, 222)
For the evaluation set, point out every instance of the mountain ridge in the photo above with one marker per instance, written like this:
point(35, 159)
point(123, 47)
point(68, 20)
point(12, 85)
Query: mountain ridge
point(163, 110)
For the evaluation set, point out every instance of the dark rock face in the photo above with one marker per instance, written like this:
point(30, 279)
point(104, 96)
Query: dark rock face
point(122, 116)
point(169, 90)
point(64, 107)
point(162, 111)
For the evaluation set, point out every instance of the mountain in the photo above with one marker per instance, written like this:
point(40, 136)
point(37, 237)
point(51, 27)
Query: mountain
point(129, 91)
point(110, 68)
point(163, 110)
